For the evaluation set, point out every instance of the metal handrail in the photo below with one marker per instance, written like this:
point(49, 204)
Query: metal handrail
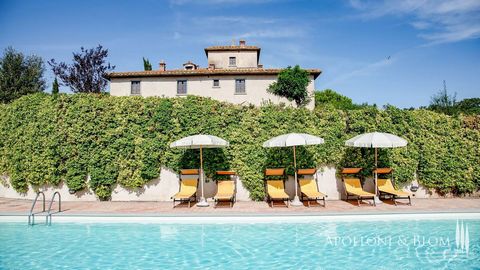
point(31, 215)
point(49, 213)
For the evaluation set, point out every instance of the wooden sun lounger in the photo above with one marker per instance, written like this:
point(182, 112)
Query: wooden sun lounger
point(226, 189)
point(308, 187)
point(385, 188)
point(188, 187)
point(276, 188)
point(353, 188)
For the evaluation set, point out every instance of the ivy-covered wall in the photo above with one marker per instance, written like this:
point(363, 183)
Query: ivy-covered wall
point(46, 139)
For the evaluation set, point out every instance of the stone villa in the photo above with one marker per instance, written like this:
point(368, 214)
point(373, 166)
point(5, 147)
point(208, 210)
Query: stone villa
point(234, 74)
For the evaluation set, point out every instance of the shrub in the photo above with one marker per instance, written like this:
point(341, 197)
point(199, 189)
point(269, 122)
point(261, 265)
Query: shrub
point(124, 140)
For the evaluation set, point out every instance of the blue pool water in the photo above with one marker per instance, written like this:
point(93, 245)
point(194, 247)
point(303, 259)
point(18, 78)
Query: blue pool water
point(411, 244)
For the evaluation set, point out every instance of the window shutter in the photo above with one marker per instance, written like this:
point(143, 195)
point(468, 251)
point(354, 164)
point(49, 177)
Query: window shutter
point(232, 61)
point(240, 86)
point(135, 88)
point(181, 87)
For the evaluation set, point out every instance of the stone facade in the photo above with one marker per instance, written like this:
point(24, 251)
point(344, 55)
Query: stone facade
point(233, 75)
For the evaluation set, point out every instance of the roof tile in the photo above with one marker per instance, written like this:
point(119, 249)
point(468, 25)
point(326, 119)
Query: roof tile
point(203, 72)
point(233, 48)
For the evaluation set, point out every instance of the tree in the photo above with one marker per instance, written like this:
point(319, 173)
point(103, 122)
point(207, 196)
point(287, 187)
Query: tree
point(470, 106)
point(146, 64)
point(55, 87)
point(20, 75)
point(87, 72)
point(292, 84)
point(443, 102)
point(328, 96)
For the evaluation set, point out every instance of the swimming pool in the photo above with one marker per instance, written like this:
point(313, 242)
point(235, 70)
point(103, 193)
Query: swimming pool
point(350, 244)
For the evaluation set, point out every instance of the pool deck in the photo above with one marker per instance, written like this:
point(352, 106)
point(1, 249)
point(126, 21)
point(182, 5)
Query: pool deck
point(456, 205)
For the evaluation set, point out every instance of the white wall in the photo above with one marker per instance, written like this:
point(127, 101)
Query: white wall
point(162, 188)
point(255, 87)
point(6, 191)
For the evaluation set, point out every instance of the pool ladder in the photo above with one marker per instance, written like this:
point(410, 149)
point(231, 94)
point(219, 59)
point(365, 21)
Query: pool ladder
point(48, 214)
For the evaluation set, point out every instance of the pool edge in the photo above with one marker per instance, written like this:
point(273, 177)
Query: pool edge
point(244, 218)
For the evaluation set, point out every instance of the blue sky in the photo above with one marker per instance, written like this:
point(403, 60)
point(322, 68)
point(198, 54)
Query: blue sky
point(383, 52)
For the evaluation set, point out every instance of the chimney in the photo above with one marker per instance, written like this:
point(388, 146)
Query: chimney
point(242, 42)
point(211, 66)
point(163, 66)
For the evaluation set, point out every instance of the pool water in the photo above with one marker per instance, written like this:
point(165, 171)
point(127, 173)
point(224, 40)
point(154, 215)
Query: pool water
point(408, 244)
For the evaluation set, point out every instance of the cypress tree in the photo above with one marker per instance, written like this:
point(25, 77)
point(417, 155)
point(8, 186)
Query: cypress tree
point(146, 64)
point(55, 87)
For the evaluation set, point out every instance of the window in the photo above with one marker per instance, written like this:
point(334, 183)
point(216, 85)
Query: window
point(181, 87)
point(135, 88)
point(240, 86)
point(232, 61)
point(216, 83)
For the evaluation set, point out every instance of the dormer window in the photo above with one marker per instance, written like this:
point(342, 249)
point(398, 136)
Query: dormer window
point(232, 61)
point(189, 66)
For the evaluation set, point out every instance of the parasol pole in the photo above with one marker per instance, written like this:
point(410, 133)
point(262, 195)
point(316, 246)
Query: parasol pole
point(375, 176)
point(201, 169)
point(376, 173)
point(296, 201)
point(203, 202)
point(295, 167)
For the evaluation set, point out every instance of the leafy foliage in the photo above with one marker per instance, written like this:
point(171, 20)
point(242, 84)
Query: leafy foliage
point(146, 64)
point(328, 97)
point(124, 141)
point(469, 106)
point(292, 84)
point(87, 72)
point(20, 75)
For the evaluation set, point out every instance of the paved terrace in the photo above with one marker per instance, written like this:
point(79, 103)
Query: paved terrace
point(22, 207)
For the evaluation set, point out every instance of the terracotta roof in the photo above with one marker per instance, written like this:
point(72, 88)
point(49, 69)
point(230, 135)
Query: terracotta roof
point(233, 48)
point(203, 72)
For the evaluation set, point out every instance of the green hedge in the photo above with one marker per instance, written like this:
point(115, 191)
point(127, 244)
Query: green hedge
point(45, 139)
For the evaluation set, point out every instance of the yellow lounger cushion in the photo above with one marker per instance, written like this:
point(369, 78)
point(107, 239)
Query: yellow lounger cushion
point(276, 190)
point(225, 190)
point(353, 186)
point(309, 188)
point(188, 187)
point(385, 185)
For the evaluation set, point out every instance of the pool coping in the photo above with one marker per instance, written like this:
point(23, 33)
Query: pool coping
point(244, 218)
point(241, 214)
